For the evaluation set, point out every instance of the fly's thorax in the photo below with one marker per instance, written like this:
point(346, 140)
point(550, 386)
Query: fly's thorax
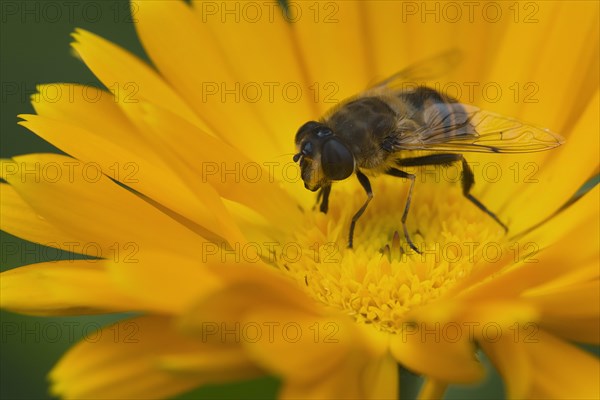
point(364, 124)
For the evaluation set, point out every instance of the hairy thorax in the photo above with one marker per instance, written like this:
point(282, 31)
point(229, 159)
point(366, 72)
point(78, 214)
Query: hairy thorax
point(364, 125)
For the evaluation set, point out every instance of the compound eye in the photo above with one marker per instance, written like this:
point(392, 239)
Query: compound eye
point(337, 160)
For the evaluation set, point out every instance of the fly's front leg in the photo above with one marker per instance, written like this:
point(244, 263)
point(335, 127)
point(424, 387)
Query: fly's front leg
point(323, 198)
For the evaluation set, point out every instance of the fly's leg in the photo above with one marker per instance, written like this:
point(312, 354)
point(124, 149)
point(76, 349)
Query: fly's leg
point(401, 174)
point(323, 198)
point(467, 177)
point(364, 181)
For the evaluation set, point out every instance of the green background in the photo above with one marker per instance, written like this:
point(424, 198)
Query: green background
point(35, 49)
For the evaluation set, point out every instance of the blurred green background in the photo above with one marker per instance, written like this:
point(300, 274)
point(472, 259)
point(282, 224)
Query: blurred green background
point(34, 42)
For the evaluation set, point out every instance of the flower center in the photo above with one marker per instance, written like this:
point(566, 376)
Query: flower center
point(381, 278)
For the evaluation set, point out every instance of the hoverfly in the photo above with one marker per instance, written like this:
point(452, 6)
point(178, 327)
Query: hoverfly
point(375, 132)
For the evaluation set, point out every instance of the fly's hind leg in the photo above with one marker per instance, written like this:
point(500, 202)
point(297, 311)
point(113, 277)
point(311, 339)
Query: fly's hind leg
point(467, 178)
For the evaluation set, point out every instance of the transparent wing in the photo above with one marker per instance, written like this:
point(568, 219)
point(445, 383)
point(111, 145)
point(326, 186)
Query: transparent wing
point(466, 128)
point(421, 71)
point(451, 126)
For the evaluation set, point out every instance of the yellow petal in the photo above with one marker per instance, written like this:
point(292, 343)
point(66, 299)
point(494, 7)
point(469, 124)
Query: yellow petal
point(563, 371)
point(424, 349)
point(134, 359)
point(558, 182)
point(528, 89)
point(542, 366)
point(380, 379)
point(347, 382)
point(438, 339)
point(260, 282)
point(537, 265)
point(565, 230)
point(282, 320)
point(209, 160)
point(550, 35)
point(202, 205)
point(326, 359)
point(162, 280)
point(578, 49)
point(325, 50)
point(511, 359)
point(579, 300)
point(191, 62)
point(581, 275)
point(19, 219)
point(114, 146)
point(502, 314)
point(314, 346)
point(388, 23)
point(273, 82)
point(94, 210)
point(71, 287)
point(569, 304)
point(129, 78)
point(217, 365)
point(583, 330)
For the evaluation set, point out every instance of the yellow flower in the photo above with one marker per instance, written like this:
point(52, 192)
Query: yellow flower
point(210, 236)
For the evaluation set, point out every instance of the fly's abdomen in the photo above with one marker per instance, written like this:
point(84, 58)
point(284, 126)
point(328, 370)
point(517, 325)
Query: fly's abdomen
point(441, 116)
